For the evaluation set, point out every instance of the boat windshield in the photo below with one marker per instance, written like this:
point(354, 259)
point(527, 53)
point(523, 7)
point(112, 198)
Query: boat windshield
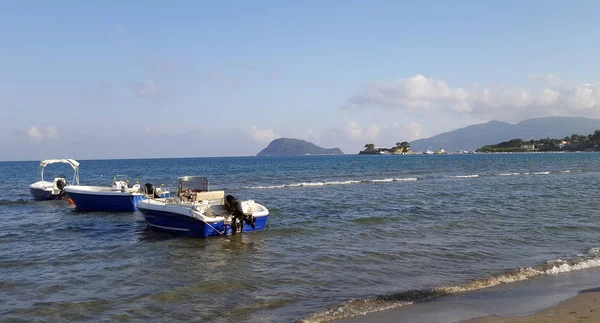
point(120, 178)
point(192, 183)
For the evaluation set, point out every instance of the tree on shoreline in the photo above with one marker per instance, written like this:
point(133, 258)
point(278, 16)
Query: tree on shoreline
point(400, 148)
point(575, 142)
point(403, 145)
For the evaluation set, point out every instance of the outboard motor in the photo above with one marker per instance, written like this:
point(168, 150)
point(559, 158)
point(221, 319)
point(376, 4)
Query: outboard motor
point(60, 185)
point(150, 190)
point(239, 217)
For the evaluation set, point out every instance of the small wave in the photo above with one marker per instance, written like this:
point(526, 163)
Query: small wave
point(364, 306)
point(374, 220)
point(465, 176)
point(15, 202)
point(540, 173)
point(566, 266)
point(509, 174)
point(315, 184)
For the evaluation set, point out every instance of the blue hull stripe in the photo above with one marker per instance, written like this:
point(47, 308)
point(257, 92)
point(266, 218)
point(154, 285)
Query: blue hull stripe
point(168, 228)
point(107, 203)
point(186, 225)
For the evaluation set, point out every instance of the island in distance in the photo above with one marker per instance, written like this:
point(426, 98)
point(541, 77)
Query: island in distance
point(295, 147)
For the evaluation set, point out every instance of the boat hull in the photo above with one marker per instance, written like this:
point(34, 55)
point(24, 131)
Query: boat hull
point(108, 201)
point(172, 222)
point(42, 195)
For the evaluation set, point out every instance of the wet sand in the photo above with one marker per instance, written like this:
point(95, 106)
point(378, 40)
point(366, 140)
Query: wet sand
point(581, 308)
point(567, 297)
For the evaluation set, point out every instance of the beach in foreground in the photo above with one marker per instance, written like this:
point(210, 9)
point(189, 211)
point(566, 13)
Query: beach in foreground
point(582, 308)
point(566, 297)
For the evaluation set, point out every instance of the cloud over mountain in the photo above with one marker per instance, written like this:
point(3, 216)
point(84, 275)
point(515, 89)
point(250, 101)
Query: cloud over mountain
point(263, 135)
point(430, 95)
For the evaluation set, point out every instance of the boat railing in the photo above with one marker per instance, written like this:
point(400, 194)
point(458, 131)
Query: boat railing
point(203, 198)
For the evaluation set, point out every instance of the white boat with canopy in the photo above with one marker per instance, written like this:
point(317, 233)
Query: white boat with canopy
point(45, 190)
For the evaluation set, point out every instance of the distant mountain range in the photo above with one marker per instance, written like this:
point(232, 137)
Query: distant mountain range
point(493, 132)
point(294, 147)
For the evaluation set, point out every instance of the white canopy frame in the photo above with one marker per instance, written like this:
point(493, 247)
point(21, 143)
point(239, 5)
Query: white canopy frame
point(72, 162)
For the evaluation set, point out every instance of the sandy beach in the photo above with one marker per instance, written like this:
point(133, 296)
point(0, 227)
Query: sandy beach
point(566, 297)
point(582, 308)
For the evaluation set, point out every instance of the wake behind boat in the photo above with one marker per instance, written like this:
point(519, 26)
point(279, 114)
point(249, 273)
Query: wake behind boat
point(196, 211)
point(116, 198)
point(44, 190)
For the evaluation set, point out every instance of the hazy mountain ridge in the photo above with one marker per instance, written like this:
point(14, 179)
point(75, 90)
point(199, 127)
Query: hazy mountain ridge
point(493, 132)
point(293, 147)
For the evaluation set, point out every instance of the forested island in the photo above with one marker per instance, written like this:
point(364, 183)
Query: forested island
point(295, 147)
point(573, 143)
point(400, 148)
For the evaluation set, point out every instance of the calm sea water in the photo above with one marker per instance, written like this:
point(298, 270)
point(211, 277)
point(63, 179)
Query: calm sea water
point(346, 235)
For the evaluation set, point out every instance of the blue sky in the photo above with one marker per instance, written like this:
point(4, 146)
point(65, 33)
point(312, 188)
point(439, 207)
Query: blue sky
point(116, 79)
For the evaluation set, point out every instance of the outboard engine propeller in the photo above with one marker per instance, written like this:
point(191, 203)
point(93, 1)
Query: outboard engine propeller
point(149, 190)
point(239, 217)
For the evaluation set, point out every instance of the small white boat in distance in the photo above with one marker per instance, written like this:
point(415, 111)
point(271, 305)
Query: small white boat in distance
point(43, 190)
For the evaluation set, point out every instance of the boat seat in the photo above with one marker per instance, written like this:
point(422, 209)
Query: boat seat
point(209, 196)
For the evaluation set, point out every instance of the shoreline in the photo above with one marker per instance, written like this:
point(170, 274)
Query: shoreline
point(583, 307)
point(554, 298)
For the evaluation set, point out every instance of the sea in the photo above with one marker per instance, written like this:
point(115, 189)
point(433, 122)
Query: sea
point(346, 236)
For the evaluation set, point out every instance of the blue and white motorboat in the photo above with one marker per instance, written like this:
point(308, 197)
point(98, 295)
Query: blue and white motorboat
point(44, 190)
point(199, 212)
point(116, 198)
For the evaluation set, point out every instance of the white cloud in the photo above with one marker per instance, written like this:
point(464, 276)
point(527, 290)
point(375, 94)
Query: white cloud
point(355, 132)
point(498, 102)
point(34, 133)
point(146, 89)
point(412, 130)
point(37, 134)
point(585, 97)
point(311, 135)
point(263, 135)
point(372, 132)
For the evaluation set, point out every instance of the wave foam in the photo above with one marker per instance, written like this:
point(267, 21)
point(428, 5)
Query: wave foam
point(315, 184)
point(509, 174)
point(388, 180)
point(356, 307)
point(465, 176)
